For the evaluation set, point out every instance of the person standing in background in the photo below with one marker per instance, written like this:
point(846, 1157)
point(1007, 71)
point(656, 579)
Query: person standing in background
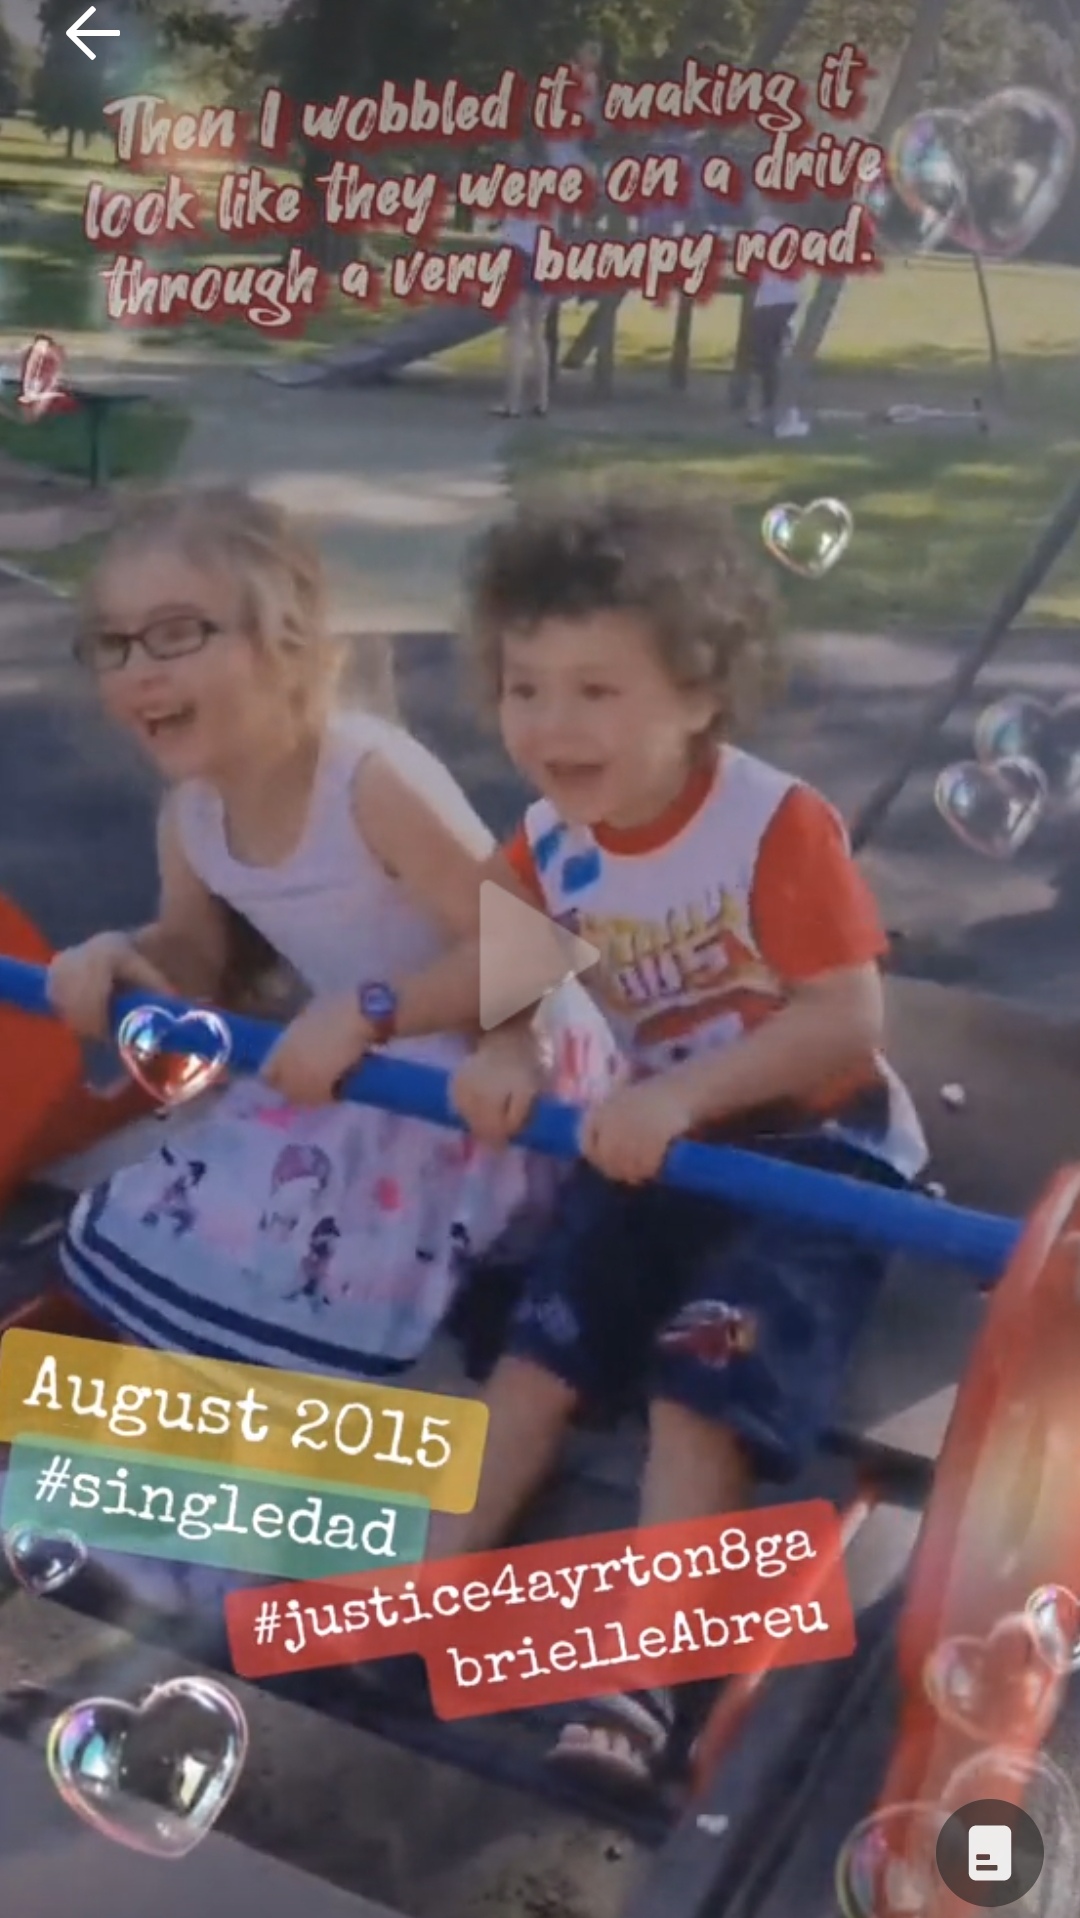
point(526, 358)
point(766, 323)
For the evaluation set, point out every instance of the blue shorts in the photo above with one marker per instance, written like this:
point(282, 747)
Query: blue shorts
point(746, 1320)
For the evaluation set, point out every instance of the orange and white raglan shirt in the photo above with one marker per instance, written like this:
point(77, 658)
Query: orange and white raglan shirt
point(709, 918)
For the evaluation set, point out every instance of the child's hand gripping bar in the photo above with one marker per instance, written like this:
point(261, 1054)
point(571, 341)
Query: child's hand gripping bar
point(900, 1221)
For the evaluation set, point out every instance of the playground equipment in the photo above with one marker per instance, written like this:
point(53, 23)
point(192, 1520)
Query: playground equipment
point(435, 330)
point(898, 1220)
point(1001, 1517)
point(789, 1761)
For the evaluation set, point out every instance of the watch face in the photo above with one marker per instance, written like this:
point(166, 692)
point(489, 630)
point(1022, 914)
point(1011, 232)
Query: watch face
point(378, 1002)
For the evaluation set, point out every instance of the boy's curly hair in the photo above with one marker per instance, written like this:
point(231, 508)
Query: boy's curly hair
point(671, 556)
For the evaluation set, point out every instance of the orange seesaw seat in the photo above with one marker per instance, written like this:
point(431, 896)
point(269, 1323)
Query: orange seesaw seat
point(47, 1113)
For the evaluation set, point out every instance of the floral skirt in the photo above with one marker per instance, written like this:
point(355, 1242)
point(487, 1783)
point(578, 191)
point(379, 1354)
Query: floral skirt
point(326, 1240)
point(316, 1240)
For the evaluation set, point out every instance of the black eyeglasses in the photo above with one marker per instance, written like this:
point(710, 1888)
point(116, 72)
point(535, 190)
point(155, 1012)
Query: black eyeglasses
point(167, 638)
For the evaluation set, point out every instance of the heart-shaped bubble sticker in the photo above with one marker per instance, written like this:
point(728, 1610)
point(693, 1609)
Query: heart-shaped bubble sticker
point(156, 1776)
point(43, 1560)
point(1055, 1612)
point(1020, 726)
point(926, 167)
point(885, 1868)
point(1000, 1690)
point(993, 809)
point(898, 226)
point(1002, 167)
point(1058, 757)
point(172, 1078)
point(808, 540)
point(1012, 728)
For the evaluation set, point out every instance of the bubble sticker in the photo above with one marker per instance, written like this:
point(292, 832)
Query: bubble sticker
point(997, 1690)
point(155, 1776)
point(993, 809)
point(1012, 728)
point(1058, 757)
point(1020, 726)
point(885, 1867)
point(927, 169)
point(1055, 1612)
point(898, 227)
point(808, 540)
point(43, 385)
point(43, 1561)
point(1021, 150)
point(173, 1078)
point(997, 172)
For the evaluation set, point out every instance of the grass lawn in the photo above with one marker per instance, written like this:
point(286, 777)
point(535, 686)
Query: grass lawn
point(142, 443)
point(64, 566)
point(941, 524)
point(943, 518)
point(51, 277)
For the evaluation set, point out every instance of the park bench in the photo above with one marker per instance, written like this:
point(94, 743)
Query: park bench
point(99, 406)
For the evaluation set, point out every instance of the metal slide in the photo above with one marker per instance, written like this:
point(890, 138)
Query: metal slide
point(433, 330)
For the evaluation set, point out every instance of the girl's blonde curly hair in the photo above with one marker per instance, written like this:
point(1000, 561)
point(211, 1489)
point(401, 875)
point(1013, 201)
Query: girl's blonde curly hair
point(259, 546)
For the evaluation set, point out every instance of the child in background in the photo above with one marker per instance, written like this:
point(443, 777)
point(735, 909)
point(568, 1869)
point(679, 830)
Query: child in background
point(769, 309)
point(526, 360)
point(623, 638)
point(281, 1227)
point(526, 364)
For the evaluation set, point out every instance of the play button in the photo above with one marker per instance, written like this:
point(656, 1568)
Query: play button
point(523, 955)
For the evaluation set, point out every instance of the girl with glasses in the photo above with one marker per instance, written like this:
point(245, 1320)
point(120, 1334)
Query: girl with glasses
point(319, 1236)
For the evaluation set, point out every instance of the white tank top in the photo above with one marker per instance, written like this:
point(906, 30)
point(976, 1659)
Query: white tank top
point(330, 909)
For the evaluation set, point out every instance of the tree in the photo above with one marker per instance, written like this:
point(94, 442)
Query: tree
point(903, 97)
point(68, 93)
point(947, 53)
point(162, 45)
point(11, 72)
point(319, 49)
point(983, 44)
point(169, 45)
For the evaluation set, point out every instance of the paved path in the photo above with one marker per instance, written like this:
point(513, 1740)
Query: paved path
point(393, 480)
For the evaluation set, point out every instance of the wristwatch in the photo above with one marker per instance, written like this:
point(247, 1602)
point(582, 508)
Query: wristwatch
point(379, 1006)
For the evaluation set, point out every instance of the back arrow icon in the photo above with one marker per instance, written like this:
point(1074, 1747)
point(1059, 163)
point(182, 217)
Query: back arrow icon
point(76, 33)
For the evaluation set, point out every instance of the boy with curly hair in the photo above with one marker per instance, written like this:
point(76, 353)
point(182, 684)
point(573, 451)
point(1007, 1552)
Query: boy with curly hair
point(624, 636)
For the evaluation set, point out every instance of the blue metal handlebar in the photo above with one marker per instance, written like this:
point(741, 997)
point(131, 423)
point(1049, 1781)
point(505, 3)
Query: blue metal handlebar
point(899, 1221)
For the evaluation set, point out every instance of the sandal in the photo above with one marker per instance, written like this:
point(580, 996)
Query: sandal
point(619, 1743)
